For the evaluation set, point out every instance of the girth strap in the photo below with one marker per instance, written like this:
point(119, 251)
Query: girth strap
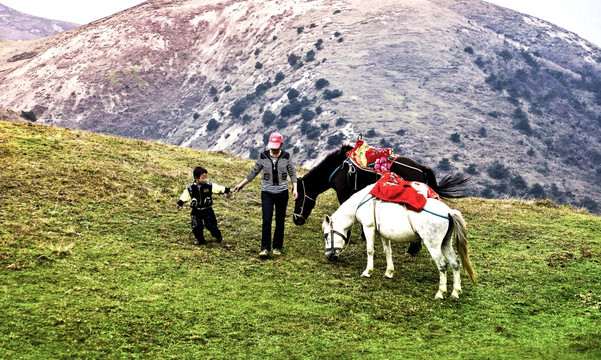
point(411, 223)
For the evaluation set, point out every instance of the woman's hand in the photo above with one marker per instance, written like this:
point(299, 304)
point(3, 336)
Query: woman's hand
point(241, 185)
point(294, 192)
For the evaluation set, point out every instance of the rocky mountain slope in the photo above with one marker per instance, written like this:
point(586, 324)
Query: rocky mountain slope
point(9, 115)
point(17, 26)
point(461, 86)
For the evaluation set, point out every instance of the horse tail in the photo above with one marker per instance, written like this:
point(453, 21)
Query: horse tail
point(462, 243)
point(450, 186)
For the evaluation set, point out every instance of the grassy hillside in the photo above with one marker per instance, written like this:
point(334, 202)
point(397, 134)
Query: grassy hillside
point(95, 262)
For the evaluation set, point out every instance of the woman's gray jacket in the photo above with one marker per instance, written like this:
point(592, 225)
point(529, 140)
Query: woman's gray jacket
point(275, 172)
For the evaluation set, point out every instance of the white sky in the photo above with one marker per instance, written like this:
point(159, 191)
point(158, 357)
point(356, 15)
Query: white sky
point(77, 11)
point(580, 16)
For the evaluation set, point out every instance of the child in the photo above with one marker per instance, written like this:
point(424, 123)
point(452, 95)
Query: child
point(200, 193)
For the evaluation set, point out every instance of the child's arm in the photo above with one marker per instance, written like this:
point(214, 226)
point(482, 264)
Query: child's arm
point(218, 189)
point(183, 199)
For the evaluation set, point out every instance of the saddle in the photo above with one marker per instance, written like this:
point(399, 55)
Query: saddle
point(393, 188)
point(370, 158)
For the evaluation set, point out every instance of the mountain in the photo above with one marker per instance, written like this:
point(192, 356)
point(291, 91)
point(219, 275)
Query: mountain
point(9, 115)
point(461, 86)
point(17, 26)
point(96, 263)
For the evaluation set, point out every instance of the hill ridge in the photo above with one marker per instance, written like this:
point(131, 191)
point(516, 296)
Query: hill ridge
point(218, 161)
point(18, 26)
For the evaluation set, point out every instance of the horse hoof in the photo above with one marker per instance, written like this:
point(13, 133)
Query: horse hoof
point(366, 274)
point(389, 274)
point(455, 295)
point(439, 296)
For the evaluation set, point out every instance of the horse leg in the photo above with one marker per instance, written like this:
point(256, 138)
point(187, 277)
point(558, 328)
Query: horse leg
point(414, 248)
point(449, 254)
point(369, 243)
point(441, 264)
point(388, 251)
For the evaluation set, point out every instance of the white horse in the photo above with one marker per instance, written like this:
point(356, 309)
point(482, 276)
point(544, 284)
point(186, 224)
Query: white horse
point(435, 225)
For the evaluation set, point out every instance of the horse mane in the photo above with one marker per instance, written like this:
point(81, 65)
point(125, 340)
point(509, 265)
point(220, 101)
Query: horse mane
point(331, 161)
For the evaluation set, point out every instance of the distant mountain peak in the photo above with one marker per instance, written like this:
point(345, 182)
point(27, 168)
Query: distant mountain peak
point(18, 26)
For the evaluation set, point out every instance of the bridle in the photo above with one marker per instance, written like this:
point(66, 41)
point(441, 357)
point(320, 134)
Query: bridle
point(305, 198)
point(336, 232)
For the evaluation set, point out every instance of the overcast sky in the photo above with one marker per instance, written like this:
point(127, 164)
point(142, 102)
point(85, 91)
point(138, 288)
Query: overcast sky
point(76, 11)
point(580, 16)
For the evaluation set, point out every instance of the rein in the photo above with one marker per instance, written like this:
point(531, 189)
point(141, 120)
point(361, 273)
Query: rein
point(409, 166)
point(334, 172)
point(305, 197)
point(344, 238)
point(364, 201)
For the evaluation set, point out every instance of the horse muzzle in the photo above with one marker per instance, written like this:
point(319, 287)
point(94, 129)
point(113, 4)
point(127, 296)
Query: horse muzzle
point(332, 254)
point(298, 220)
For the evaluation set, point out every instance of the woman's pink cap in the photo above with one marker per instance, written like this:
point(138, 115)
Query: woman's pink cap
point(275, 141)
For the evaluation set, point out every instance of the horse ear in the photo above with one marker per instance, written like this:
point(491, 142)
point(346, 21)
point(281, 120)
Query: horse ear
point(328, 219)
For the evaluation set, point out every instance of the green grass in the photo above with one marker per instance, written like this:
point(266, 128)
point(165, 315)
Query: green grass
point(95, 262)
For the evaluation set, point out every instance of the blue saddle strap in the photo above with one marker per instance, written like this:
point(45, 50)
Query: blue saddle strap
point(433, 213)
point(364, 201)
point(334, 172)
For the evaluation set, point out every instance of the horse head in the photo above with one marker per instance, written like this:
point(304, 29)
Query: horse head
point(334, 240)
point(303, 205)
point(315, 182)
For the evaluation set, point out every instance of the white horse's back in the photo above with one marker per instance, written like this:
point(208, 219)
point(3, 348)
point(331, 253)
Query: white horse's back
point(395, 222)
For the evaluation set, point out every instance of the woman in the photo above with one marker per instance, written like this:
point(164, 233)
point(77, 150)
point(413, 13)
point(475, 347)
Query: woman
point(276, 165)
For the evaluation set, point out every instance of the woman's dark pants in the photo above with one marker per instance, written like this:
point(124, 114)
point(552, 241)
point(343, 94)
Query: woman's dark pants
point(270, 201)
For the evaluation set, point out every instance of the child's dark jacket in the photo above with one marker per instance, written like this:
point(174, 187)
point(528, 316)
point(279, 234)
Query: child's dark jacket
point(201, 195)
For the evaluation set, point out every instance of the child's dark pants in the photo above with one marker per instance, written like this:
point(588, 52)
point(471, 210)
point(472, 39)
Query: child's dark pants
point(205, 218)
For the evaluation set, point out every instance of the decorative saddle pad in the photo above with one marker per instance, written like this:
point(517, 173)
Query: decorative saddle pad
point(365, 156)
point(393, 188)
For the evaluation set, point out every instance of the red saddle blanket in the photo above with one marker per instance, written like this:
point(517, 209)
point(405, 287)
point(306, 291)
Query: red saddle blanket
point(393, 188)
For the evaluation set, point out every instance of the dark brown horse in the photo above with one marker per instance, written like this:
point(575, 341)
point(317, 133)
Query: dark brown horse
point(335, 172)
